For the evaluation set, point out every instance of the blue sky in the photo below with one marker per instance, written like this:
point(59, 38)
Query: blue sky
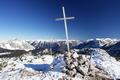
point(35, 19)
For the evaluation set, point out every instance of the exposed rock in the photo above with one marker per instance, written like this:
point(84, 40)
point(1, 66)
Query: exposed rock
point(68, 55)
point(75, 63)
point(72, 72)
point(68, 60)
point(70, 66)
point(81, 70)
point(87, 64)
point(84, 57)
point(75, 55)
point(81, 64)
point(100, 76)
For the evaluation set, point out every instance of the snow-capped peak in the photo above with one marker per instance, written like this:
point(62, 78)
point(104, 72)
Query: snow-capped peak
point(100, 42)
point(16, 45)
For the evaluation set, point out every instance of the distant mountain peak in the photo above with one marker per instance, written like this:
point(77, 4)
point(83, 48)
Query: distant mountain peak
point(16, 44)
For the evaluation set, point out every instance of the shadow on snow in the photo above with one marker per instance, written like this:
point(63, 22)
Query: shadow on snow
point(38, 67)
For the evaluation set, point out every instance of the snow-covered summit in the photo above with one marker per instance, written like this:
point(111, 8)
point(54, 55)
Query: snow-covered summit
point(107, 63)
point(32, 68)
point(16, 45)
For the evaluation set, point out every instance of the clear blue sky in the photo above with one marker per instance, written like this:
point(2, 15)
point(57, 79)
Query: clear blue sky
point(35, 19)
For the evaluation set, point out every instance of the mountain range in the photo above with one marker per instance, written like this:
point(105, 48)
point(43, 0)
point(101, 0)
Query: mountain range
point(89, 57)
point(112, 46)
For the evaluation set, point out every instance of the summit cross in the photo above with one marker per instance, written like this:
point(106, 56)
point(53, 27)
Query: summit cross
point(65, 25)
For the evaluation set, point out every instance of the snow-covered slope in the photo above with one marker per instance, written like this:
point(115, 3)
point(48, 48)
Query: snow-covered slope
point(33, 68)
point(48, 67)
point(107, 63)
point(16, 45)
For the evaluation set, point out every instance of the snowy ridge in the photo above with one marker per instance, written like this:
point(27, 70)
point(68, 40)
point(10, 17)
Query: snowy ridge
point(107, 41)
point(97, 43)
point(36, 44)
point(107, 63)
point(16, 45)
point(5, 53)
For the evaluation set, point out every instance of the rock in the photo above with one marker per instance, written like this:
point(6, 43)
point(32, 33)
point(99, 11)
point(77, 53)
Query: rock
point(84, 57)
point(68, 61)
point(64, 70)
point(92, 66)
point(72, 73)
point(68, 55)
point(91, 73)
point(70, 66)
point(80, 62)
point(87, 64)
point(80, 57)
point(82, 70)
point(28, 73)
point(100, 76)
point(75, 55)
point(75, 63)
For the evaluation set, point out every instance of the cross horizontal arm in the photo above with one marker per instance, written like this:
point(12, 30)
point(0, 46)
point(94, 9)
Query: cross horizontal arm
point(67, 18)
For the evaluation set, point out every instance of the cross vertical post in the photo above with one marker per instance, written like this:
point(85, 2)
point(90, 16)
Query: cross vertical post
point(65, 25)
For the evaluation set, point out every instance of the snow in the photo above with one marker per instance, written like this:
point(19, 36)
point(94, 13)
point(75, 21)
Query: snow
point(47, 67)
point(5, 53)
point(100, 42)
point(107, 39)
point(107, 63)
point(16, 45)
point(23, 70)
point(59, 63)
